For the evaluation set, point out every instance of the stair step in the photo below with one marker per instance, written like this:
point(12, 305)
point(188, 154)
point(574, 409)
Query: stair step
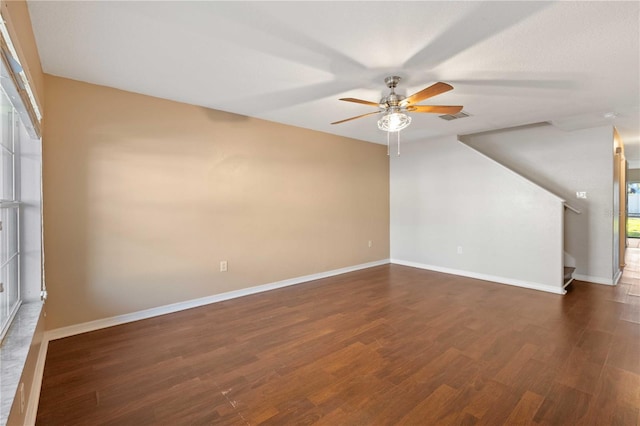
point(568, 271)
point(568, 275)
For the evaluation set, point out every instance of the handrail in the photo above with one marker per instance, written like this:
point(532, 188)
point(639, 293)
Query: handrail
point(573, 209)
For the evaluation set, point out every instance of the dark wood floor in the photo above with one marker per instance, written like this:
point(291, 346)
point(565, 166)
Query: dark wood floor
point(387, 345)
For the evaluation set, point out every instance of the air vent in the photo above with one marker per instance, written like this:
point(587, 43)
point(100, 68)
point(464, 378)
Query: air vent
point(450, 117)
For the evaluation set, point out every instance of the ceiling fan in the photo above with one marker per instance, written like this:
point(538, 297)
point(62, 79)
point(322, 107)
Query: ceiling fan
point(395, 107)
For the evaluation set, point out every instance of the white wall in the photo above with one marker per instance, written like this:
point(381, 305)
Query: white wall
point(445, 195)
point(566, 162)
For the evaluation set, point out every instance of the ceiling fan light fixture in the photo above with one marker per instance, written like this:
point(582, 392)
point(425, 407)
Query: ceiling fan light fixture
point(394, 121)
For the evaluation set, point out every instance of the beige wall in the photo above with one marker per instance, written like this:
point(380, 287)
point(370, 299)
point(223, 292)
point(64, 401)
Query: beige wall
point(144, 197)
point(16, 15)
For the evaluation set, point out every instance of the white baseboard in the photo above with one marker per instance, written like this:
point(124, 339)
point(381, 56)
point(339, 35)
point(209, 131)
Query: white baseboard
point(72, 330)
point(594, 280)
point(485, 277)
point(34, 396)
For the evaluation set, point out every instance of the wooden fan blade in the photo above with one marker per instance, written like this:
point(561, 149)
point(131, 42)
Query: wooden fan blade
point(438, 109)
point(433, 90)
point(353, 118)
point(360, 101)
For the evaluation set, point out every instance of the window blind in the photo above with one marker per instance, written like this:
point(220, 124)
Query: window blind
point(20, 91)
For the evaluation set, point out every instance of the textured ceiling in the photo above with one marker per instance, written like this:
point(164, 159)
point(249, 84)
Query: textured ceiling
point(511, 63)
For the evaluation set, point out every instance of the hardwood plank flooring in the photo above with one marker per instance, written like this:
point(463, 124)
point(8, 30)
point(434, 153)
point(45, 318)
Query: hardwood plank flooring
point(383, 346)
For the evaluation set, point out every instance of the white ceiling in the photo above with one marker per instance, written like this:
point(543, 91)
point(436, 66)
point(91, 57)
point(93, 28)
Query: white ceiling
point(511, 63)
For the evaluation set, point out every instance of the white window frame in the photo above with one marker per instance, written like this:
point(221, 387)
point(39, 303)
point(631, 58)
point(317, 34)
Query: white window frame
point(6, 205)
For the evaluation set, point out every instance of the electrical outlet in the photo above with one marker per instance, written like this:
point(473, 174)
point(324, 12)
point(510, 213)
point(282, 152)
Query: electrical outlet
point(370, 243)
point(459, 249)
point(223, 266)
point(581, 194)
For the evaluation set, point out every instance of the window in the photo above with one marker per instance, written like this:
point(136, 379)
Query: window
point(21, 274)
point(9, 213)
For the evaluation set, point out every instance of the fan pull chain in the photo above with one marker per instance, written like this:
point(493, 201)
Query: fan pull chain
point(387, 144)
point(398, 133)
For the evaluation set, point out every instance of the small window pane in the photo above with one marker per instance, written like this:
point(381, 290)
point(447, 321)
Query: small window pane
point(7, 118)
point(6, 121)
point(10, 294)
point(8, 234)
point(6, 168)
point(11, 286)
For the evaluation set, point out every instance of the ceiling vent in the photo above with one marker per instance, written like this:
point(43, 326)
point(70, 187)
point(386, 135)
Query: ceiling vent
point(450, 117)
